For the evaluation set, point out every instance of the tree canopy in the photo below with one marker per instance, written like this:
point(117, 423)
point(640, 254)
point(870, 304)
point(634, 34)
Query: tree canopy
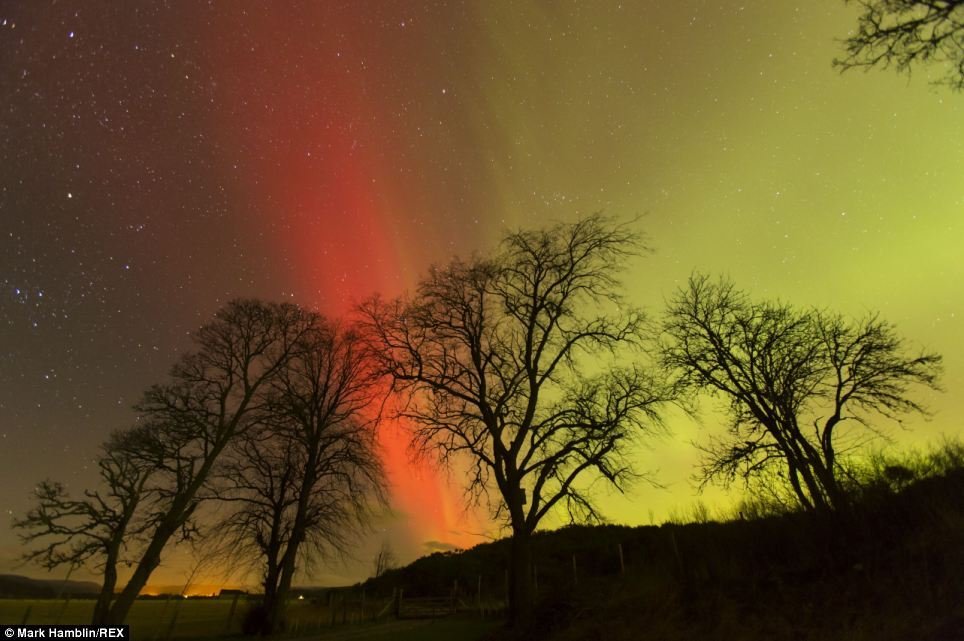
point(96, 529)
point(905, 33)
point(518, 364)
point(213, 394)
point(300, 483)
point(795, 382)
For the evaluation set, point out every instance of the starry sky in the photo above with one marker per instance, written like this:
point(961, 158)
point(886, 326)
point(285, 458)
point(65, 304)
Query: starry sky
point(160, 158)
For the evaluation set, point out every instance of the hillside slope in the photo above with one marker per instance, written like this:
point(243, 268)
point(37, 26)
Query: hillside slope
point(893, 569)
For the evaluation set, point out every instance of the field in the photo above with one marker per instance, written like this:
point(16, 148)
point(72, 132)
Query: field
point(157, 620)
point(163, 618)
point(149, 619)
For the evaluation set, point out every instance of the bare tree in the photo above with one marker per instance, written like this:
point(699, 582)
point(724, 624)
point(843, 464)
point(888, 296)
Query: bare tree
point(385, 559)
point(904, 33)
point(503, 360)
point(794, 380)
point(94, 530)
point(302, 482)
point(213, 395)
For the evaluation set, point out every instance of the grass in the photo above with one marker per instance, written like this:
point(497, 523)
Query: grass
point(205, 618)
point(438, 630)
point(148, 619)
point(451, 629)
point(45, 611)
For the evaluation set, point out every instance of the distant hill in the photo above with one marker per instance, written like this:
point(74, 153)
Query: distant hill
point(16, 586)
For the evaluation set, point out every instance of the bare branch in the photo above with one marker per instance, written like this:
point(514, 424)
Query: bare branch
point(489, 358)
point(905, 33)
point(301, 482)
point(783, 370)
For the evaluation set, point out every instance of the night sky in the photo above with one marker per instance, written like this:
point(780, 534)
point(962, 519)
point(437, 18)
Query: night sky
point(160, 158)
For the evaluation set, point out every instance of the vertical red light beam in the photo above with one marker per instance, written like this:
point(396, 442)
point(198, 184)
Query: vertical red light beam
point(301, 122)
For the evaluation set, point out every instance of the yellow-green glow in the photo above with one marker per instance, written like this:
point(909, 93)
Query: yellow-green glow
point(725, 124)
point(320, 152)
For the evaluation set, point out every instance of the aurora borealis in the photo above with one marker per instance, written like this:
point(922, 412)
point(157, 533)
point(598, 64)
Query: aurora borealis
point(158, 159)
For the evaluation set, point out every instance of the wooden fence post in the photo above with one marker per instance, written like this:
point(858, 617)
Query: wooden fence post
point(575, 575)
point(622, 562)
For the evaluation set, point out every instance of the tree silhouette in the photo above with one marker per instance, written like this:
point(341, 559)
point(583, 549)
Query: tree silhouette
point(904, 33)
point(794, 381)
point(385, 560)
point(96, 529)
point(302, 481)
point(214, 394)
point(502, 360)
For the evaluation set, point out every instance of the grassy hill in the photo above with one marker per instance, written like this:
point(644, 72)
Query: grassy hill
point(892, 569)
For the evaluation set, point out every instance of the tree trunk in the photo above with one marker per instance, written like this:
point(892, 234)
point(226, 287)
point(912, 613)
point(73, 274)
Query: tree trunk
point(114, 548)
point(269, 602)
point(285, 578)
point(180, 510)
point(288, 560)
point(816, 490)
point(828, 480)
point(102, 606)
point(803, 457)
point(521, 596)
point(148, 563)
point(178, 514)
point(270, 623)
point(274, 619)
